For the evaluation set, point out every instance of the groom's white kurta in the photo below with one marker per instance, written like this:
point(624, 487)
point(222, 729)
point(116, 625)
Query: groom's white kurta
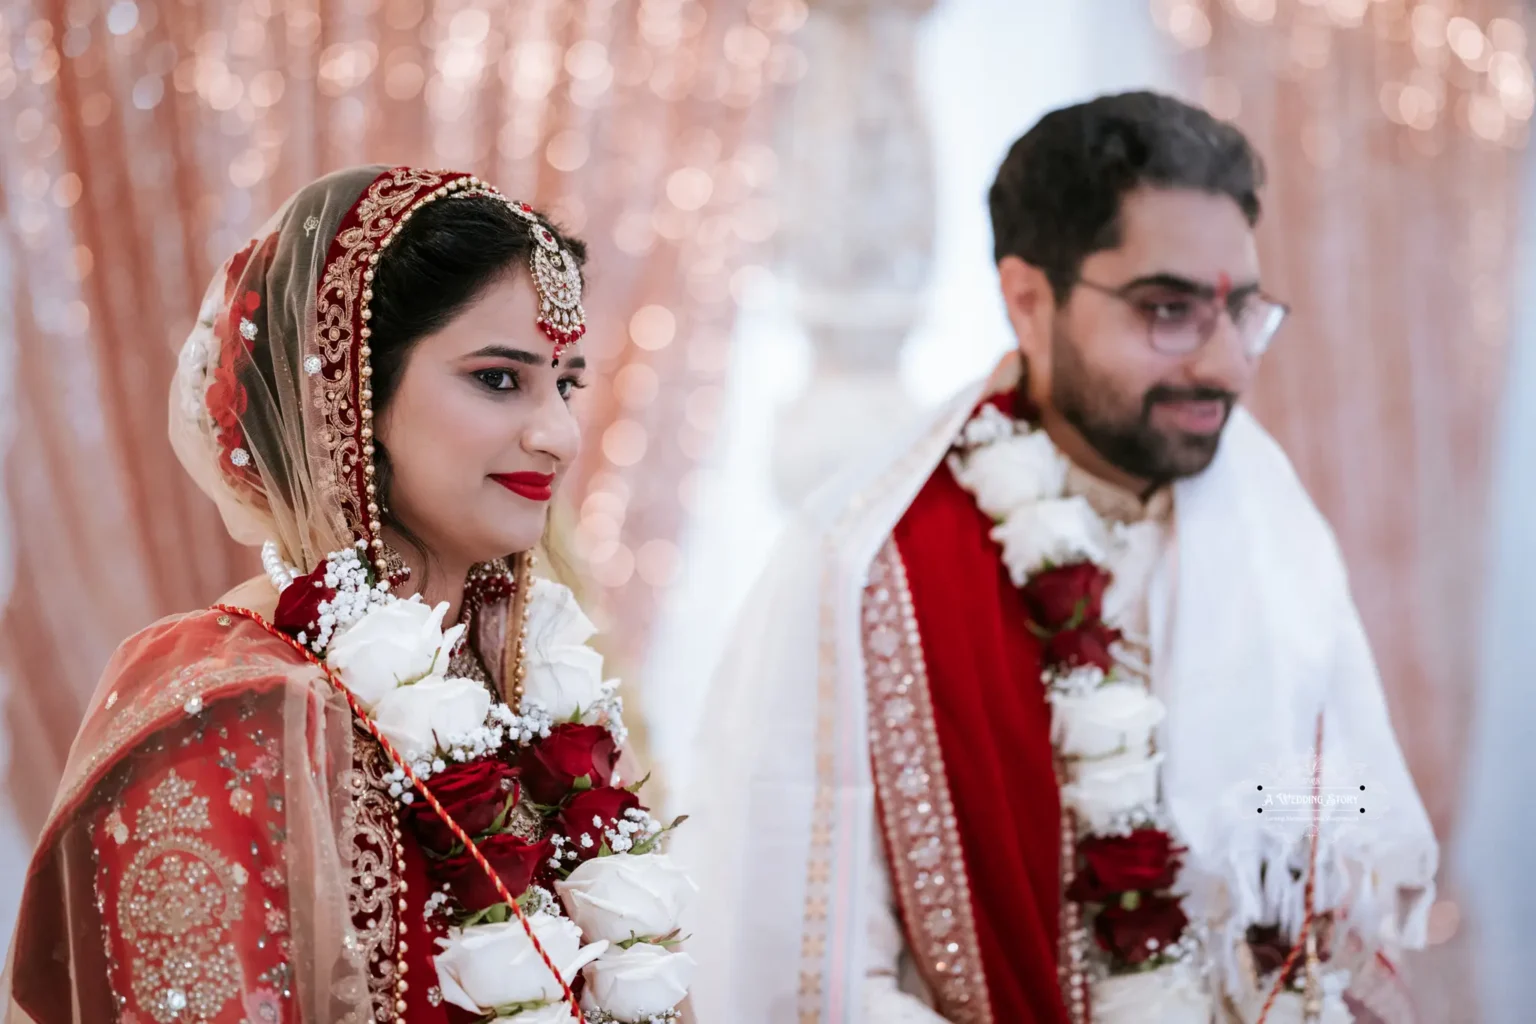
point(1254, 634)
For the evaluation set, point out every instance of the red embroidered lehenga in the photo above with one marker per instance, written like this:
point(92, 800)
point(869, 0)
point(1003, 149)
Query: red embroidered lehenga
point(222, 847)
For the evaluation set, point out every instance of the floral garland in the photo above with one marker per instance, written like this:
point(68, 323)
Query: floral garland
point(1060, 553)
point(535, 788)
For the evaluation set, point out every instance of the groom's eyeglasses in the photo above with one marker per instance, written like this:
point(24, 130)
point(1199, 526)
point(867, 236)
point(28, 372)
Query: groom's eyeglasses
point(1181, 314)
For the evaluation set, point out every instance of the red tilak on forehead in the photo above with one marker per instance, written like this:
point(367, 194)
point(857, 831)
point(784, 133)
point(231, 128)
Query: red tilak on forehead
point(1223, 285)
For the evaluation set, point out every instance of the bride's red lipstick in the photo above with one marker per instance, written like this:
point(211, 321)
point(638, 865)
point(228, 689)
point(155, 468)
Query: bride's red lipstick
point(533, 486)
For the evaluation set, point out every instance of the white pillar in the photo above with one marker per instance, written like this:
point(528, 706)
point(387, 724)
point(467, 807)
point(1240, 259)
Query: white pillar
point(857, 242)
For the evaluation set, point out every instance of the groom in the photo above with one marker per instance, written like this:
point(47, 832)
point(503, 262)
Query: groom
point(1062, 711)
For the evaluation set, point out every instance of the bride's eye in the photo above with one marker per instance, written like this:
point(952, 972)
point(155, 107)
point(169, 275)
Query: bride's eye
point(498, 380)
point(569, 386)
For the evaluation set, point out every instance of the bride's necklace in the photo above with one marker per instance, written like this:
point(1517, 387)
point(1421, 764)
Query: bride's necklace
point(487, 581)
point(278, 570)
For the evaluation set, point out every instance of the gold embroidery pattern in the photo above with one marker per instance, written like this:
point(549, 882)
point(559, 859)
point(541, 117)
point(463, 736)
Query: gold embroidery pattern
point(927, 864)
point(368, 842)
point(339, 308)
point(818, 867)
point(179, 896)
point(818, 879)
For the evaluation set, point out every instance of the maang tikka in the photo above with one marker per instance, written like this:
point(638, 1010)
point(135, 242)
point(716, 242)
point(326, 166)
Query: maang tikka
point(556, 277)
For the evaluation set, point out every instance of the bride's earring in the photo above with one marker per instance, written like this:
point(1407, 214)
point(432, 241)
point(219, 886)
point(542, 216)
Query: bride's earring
point(395, 569)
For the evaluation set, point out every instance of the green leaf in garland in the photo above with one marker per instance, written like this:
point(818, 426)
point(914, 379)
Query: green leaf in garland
point(453, 851)
point(500, 821)
point(582, 784)
point(1079, 612)
point(649, 845)
point(497, 913)
point(510, 1009)
point(672, 938)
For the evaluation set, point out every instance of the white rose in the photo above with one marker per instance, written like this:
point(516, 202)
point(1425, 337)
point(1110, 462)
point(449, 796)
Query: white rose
point(392, 644)
point(554, 1013)
point(1104, 720)
point(1101, 790)
point(555, 619)
point(634, 983)
point(624, 896)
point(1008, 474)
point(422, 716)
point(1049, 532)
point(564, 680)
point(493, 965)
point(1168, 995)
point(988, 425)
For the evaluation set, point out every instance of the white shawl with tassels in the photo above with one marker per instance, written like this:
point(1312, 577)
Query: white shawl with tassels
point(1254, 635)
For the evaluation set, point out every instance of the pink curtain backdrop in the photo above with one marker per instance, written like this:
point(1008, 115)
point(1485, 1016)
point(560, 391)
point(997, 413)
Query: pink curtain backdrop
point(1392, 130)
point(144, 140)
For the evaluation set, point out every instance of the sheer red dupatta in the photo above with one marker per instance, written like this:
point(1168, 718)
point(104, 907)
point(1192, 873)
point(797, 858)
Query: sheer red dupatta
point(228, 675)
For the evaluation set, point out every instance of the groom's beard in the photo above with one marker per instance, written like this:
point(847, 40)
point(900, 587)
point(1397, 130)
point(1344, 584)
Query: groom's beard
point(1120, 429)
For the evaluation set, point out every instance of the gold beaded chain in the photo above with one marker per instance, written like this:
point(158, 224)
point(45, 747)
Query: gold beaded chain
point(522, 575)
point(373, 525)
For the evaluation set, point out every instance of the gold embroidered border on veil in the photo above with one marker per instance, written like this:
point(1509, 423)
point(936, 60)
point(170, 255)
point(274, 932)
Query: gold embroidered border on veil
point(270, 413)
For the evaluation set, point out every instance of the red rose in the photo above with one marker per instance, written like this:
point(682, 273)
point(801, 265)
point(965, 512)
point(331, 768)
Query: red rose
point(1086, 645)
point(298, 608)
point(576, 819)
point(1270, 948)
point(236, 269)
point(1143, 861)
point(226, 400)
point(243, 276)
point(1068, 595)
point(473, 793)
point(514, 859)
point(551, 766)
point(1135, 933)
point(226, 397)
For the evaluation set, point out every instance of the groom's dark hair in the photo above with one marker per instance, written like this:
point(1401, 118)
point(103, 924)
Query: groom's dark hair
point(1056, 200)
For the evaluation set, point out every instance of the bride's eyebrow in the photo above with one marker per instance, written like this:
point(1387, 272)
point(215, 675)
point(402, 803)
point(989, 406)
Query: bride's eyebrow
point(515, 355)
point(518, 355)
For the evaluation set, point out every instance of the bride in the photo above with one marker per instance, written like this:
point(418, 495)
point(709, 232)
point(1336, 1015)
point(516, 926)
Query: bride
point(312, 802)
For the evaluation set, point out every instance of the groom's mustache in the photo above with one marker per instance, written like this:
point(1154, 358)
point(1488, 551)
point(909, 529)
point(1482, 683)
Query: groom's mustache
point(1164, 393)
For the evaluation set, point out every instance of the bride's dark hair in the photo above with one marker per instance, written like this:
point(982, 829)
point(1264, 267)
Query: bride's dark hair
point(444, 258)
point(449, 253)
